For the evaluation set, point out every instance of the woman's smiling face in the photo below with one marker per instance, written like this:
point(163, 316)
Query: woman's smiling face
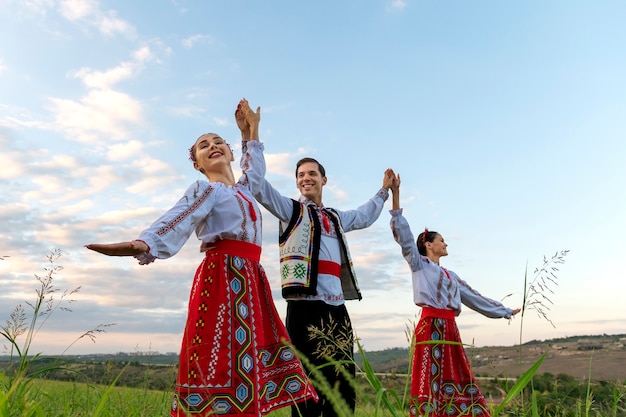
point(211, 151)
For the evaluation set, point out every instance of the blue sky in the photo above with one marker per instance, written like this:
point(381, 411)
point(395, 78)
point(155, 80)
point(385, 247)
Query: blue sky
point(505, 121)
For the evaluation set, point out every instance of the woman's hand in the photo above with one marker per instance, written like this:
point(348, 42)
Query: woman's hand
point(251, 118)
point(136, 247)
point(240, 118)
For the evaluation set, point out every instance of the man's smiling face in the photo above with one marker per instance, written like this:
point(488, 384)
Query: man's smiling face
point(309, 181)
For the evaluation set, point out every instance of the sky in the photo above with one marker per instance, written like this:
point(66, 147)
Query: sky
point(505, 120)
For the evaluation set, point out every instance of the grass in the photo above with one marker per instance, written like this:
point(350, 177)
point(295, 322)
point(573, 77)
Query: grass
point(70, 399)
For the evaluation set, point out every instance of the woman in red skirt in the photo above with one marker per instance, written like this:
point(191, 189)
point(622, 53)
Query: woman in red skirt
point(442, 383)
point(233, 359)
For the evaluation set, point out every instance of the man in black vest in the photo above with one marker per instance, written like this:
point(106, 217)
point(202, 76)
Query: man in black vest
point(316, 269)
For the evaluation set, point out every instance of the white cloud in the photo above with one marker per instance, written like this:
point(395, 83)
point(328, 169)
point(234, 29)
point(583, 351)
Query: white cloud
point(193, 39)
point(398, 4)
point(74, 10)
point(281, 164)
point(59, 233)
point(102, 111)
point(143, 54)
point(50, 184)
point(150, 184)
point(59, 161)
point(102, 176)
point(105, 79)
point(98, 114)
point(88, 12)
point(78, 208)
point(124, 151)
point(109, 25)
point(11, 168)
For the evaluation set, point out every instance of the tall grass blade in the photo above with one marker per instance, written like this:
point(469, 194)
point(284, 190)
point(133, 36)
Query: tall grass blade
point(519, 386)
point(381, 393)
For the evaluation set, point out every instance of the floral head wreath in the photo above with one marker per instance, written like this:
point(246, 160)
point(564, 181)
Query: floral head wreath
point(424, 235)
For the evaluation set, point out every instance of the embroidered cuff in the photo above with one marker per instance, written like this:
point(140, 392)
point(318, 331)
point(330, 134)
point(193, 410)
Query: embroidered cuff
point(383, 193)
point(145, 258)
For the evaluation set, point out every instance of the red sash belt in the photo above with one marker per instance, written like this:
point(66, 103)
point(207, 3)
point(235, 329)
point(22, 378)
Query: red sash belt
point(329, 268)
point(441, 313)
point(234, 248)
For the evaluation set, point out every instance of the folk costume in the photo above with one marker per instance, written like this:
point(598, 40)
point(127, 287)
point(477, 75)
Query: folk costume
point(233, 359)
point(317, 276)
point(442, 383)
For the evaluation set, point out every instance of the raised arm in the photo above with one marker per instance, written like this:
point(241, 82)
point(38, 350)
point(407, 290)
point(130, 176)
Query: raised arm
point(395, 188)
point(366, 214)
point(248, 120)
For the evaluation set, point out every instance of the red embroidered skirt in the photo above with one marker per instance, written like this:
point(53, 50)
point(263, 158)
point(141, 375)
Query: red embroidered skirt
point(233, 359)
point(442, 383)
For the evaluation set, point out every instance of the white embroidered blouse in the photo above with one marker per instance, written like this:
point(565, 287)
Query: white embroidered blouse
point(435, 286)
point(213, 210)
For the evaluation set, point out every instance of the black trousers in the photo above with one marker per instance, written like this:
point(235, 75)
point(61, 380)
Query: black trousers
point(334, 338)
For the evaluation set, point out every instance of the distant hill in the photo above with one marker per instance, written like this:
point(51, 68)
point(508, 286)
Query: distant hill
point(603, 357)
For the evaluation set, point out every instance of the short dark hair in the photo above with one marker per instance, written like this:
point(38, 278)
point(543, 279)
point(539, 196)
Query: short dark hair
point(304, 160)
point(425, 236)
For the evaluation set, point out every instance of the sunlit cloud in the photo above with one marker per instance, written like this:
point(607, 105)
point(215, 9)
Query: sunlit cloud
point(11, 167)
point(105, 79)
point(109, 24)
point(281, 164)
point(100, 113)
point(77, 9)
point(124, 151)
point(88, 12)
point(124, 71)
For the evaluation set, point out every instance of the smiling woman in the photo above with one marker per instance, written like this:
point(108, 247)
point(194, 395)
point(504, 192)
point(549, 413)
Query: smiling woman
point(442, 382)
point(251, 370)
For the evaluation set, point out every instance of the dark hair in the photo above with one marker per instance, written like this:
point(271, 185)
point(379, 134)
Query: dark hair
point(304, 160)
point(425, 236)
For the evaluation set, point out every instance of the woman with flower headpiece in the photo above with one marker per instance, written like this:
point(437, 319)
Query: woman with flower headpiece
point(442, 383)
point(234, 358)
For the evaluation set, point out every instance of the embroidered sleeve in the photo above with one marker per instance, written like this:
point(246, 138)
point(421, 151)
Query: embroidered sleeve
point(264, 193)
point(167, 235)
point(404, 237)
point(484, 305)
point(252, 165)
point(366, 214)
